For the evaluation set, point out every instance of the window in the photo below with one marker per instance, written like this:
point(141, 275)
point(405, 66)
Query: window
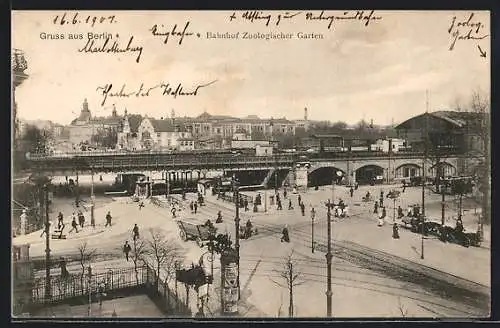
point(158, 134)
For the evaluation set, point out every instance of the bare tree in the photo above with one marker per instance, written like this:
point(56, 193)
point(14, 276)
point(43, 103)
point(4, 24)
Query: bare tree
point(402, 309)
point(291, 278)
point(164, 253)
point(480, 104)
point(479, 147)
point(139, 254)
point(85, 256)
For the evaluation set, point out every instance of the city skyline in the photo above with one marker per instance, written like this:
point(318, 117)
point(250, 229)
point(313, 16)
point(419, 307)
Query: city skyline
point(384, 68)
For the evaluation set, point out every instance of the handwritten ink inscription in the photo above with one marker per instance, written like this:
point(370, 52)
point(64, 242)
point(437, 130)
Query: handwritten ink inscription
point(360, 15)
point(167, 33)
point(166, 89)
point(255, 16)
point(78, 19)
point(107, 46)
point(467, 29)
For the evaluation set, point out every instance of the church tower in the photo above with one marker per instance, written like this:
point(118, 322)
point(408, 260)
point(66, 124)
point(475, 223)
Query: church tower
point(113, 113)
point(85, 115)
point(126, 124)
point(305, 114)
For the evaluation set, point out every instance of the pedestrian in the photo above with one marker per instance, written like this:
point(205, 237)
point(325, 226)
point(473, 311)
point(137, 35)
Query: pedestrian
point(255, 209)
point(245, 203)
point(173, 212)
point(81, 219)
point(60, 219)
point(375, 208)
point(299, 199)
point(400, 212)
point(45, 229)
point(126, 249)
point(108, 219)
point(381, 198)
point(219, 217)
point(279, 205)
point(303, 209)
point(284, 193)
point(141, 205)
point(356, 185)
point(191, 206)
point(380, 219)
point(285, 236)
point(404, 185)
point(195, 205)
point(290, 207)
point(313, 213)
point(384, 213)
point(351, 191)
point(74, 226)
point(135, 231)
point(395, 231)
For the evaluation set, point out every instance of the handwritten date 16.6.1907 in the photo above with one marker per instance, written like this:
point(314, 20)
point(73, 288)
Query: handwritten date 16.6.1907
point(78, 19)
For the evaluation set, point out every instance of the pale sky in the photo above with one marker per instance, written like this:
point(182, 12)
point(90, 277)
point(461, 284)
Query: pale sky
point(379, 72)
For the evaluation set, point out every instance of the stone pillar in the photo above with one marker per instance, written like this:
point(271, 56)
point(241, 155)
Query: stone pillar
point(301, 177)
point(353, 177)
point(24, 223)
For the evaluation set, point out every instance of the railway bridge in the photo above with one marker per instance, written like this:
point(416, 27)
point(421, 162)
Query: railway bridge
point(320, 167)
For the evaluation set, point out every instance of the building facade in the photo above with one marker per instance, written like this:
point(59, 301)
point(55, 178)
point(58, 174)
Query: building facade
point(84, 127)
point(164, 135)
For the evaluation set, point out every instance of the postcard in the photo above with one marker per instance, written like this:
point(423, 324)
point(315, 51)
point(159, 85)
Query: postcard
point(251, 164)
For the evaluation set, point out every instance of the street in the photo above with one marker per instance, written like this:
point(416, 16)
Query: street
point(373, 275)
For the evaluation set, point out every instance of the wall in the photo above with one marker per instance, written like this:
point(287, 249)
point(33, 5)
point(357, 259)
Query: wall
point(248, 143)
point(393, 168)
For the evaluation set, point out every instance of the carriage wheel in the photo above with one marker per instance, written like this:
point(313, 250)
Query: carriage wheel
point(466, 240)
point(183, 235)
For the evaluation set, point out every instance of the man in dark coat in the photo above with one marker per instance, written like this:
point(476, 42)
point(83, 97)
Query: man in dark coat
point(108, 219)
point(135, 231)
point(395, 231)
point(126, 249)
point(285, 236)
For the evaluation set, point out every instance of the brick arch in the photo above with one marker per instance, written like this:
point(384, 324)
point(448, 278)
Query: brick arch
point(450, 169)
point(412, 170)
point(323, 175)
point(365, 173)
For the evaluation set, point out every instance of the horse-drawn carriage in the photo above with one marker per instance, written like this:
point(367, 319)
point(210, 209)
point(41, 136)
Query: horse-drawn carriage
point(248, 231)
point(457, 234)
point(194, 231)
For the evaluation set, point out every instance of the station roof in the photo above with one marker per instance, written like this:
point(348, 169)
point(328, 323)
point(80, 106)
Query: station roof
point(455, 118)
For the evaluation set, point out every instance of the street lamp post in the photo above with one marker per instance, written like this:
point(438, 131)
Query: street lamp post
point(90, 290)
point(48, 288)
point(329, 263)
point(92, 199)
point(329, 255)
point(312, 232)
point(237, 228)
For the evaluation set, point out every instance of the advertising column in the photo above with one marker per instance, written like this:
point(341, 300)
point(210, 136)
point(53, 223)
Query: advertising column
point(229, 283)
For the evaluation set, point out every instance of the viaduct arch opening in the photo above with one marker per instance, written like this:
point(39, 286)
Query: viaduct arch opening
point(322, 176)
point(368, 174)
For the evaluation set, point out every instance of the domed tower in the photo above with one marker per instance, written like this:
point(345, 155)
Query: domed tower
point(85, 114)
point(126, 124)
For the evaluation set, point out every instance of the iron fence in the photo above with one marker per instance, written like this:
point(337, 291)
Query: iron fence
point(75, 285)
point(170, 301)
